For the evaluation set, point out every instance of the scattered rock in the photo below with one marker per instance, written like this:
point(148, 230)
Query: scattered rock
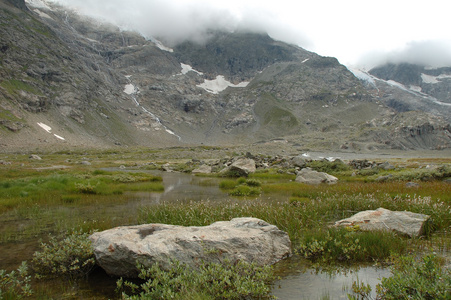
point(298, 161)
point(204, 169)
point(404, 222)
point(310, 176)
point(117, 250)
point(241, 167)
point(384, 178)
point(34, 156)
point(86, 163)
point(167, 168)
point(386, 166)
point(412, 184)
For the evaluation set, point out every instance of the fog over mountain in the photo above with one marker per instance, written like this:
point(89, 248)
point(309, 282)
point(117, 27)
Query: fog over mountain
point(357, 33)
point(178, 21)
point(431, 53)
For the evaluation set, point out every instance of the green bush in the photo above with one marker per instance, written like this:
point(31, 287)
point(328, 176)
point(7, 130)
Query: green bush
point(328, 166)
point(16, 284)
point(71, 257)
point(85, 188)
point(253, 182)
point(239, 280)
point(244, 190)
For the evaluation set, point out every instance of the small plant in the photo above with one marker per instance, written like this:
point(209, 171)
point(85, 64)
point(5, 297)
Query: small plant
point(71, 256)
point(227, 280)
point(85, 188)
point(244, 190)
point(253, 182)
point(16, 284)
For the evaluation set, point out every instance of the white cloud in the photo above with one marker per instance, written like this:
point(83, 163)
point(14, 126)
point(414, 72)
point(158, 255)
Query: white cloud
point(351, 30)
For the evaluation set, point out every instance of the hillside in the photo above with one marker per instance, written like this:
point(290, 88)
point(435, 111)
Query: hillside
point(95, 85)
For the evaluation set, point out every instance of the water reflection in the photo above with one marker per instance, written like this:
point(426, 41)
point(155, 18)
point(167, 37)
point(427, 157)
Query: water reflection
point(300, 281)
point(181, 187)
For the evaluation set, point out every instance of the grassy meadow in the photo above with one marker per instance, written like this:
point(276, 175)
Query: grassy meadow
point(92, 190)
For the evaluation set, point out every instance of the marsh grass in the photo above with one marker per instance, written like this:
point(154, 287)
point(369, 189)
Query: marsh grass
point(61, 187)
point(310, 210)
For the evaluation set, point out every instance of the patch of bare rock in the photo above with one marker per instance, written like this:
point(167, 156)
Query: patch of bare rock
point(119, 249)
point(402, 222)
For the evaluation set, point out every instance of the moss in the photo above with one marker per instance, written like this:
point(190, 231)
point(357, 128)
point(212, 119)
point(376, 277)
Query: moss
point(12, 86)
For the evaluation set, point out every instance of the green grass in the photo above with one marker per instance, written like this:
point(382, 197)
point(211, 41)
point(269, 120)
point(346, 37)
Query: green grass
point(12, 86)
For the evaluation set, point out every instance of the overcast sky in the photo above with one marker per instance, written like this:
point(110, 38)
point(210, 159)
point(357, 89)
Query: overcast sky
point(357, 32)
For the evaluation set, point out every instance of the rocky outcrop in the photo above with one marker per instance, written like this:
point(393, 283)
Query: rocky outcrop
point(118, 250)
point(18, 3)
point(310, 176)
point(242, 167)
point(203, 169)
point(403, 222)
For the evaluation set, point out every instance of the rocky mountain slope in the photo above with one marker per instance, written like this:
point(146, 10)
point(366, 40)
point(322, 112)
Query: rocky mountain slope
point(67, 80)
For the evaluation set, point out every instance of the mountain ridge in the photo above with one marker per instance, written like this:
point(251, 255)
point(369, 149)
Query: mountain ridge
point(98, 86)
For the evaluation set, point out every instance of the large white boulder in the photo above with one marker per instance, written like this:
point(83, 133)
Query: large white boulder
point(404, 222)
point(118, 250)
point(310, 176)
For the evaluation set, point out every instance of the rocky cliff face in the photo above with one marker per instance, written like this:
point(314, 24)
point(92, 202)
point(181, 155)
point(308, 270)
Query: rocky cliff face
point(435, 82)
point(97, 85)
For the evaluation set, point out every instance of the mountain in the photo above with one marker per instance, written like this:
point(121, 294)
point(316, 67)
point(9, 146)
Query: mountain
point(67, 80)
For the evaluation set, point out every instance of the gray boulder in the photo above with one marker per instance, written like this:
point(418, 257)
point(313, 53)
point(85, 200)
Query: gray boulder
point(403, 222)
point(298, 161)
point(310, 176)
point(242, 167)
point(204, 169)
point(118, 250)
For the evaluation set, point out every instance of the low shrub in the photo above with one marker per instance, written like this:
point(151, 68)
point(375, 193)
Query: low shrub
point(85, 188)
point(227, 280)
point(16, 284)
point(329, 166)
point(244, 190)
point(71, 257)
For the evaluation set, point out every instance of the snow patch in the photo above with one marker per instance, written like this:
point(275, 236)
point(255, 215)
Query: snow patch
point(49, 129)
point(45, 127)
point(219, 84)
point(362, 75)
point(130, 89)
point(429, 79)
point(38, 4)
point(188, 68)
point(59, 137)
point(42, 14)
point(161, 46)
point(305, 60)
point(434, 79)
point(415, 88)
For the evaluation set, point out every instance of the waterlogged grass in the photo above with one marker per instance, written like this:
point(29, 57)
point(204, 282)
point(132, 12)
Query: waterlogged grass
point(307, 215)
point(35, 200)
point(62, 187)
